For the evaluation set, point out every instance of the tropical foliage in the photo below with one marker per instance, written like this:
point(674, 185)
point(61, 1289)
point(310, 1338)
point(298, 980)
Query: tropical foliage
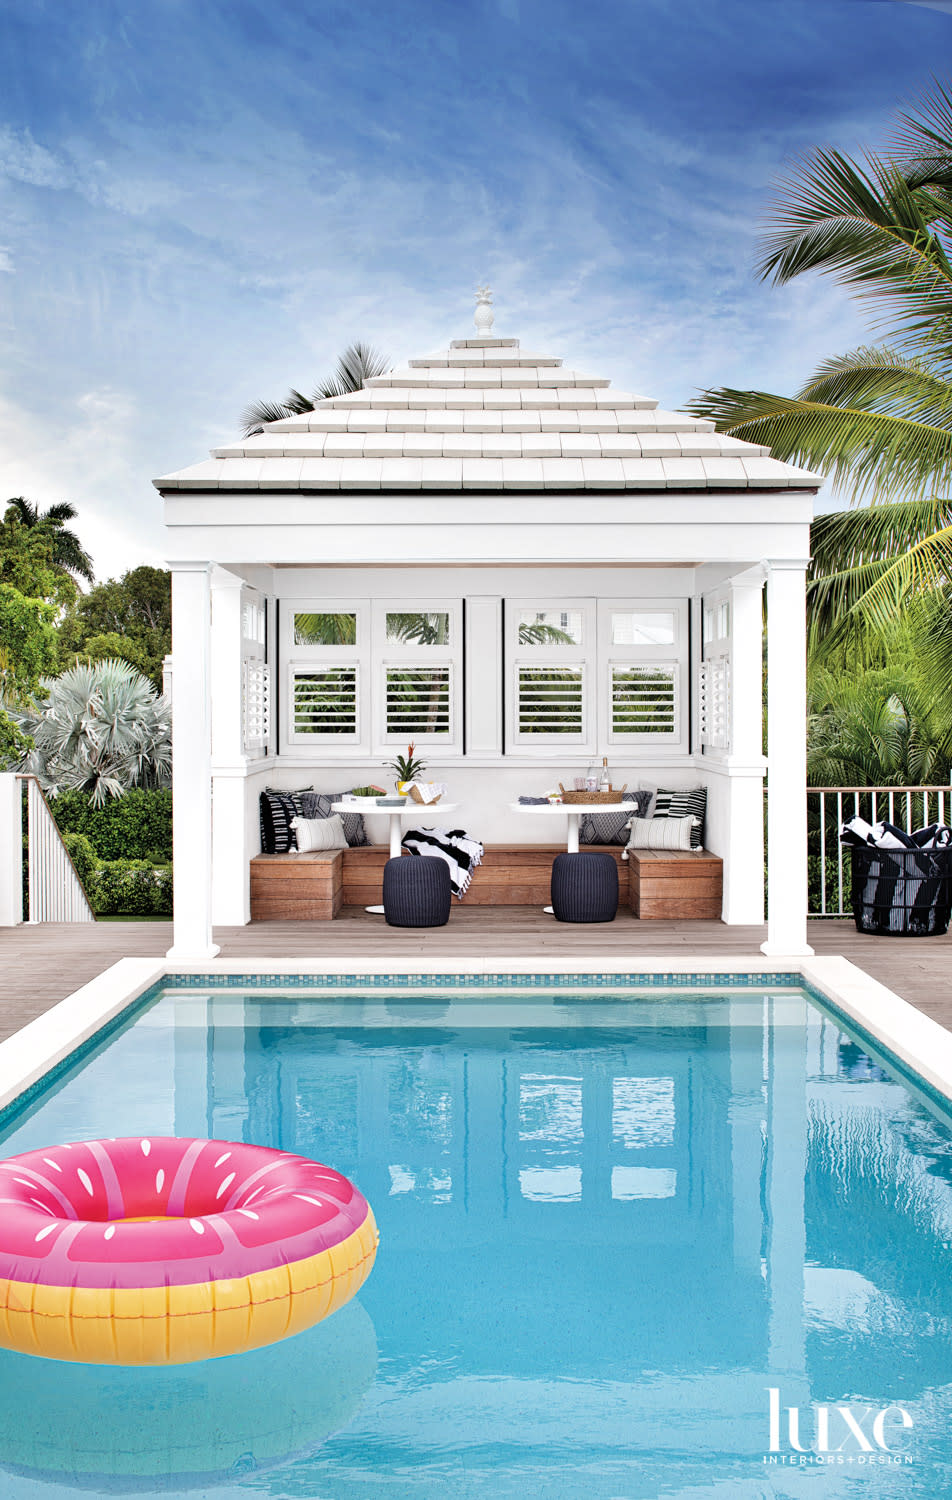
point(101, 729)
point(32, 592)
point(67, 552)
point(878, 419)
point(881, 728)
point(128, 619)
point(358, 364)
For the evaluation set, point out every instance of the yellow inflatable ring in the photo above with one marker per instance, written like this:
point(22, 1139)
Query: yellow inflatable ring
point(152, 1251)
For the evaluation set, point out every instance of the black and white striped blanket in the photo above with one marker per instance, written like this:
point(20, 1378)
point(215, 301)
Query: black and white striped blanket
point(453, 845)
point(903, 883)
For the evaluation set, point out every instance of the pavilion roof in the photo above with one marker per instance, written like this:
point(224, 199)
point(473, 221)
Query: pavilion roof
point(485, 415)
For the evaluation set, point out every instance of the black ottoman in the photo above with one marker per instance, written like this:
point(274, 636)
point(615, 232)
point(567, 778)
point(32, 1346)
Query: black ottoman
point(416, 891)
point(584, 888)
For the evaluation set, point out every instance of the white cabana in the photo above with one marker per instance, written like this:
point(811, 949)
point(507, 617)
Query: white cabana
point(486, 492)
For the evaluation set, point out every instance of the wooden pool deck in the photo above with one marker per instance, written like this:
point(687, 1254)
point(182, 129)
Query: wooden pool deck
point(40, 965)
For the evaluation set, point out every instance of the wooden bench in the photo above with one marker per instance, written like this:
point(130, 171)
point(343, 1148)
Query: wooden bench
point(674, 883)
point(313, 887)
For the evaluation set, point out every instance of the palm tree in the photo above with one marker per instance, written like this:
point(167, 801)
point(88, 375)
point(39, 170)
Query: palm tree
point(878, 419)
point(101, 729)
point(358, 363)
point(68, 552)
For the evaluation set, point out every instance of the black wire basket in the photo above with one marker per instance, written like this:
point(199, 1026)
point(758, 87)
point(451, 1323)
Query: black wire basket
point(902, 892)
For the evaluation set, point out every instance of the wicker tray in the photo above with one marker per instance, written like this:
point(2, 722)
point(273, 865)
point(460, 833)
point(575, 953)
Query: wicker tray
point(592, 799)
point(416, 796)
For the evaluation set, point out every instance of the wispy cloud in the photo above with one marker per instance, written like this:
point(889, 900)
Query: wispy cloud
point(202, 203)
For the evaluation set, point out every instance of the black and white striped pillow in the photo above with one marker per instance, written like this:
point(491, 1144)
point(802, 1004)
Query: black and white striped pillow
point(275, 811)
point(681, 803)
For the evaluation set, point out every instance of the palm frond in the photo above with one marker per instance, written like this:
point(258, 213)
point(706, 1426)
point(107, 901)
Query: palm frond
point(878, 378)
point(874, 454)
point(870, 229)
point(925, 566)
point(845, 539)
point(359, 363)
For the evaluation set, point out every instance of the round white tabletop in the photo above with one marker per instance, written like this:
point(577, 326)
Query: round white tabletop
point(410, 809)
point(573, 811)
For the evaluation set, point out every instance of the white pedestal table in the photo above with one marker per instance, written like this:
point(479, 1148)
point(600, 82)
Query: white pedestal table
point(572, 811)
point(409, 809)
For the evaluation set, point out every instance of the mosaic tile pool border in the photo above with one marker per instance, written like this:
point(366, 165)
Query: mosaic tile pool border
point(671, 981)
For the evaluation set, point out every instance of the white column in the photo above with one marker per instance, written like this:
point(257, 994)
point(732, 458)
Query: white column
point(11, 851)
point(231, 855)
point(191, 762)
point(786, 761)
point(744, 785)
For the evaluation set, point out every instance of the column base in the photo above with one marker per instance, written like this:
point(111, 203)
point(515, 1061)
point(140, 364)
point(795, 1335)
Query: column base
point(182, 952)
point(786, 950)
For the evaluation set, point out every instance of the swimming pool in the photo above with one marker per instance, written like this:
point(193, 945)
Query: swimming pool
point(613, 1223)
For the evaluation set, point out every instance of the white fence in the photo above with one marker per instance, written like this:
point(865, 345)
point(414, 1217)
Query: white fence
point(54, 892)
point(828, 807)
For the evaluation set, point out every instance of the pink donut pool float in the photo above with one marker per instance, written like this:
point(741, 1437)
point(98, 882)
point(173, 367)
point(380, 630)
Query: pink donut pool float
point(160, 1250)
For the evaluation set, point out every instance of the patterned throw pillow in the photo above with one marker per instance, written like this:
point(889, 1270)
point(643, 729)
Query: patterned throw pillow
point(663, 833)
point(680, 803)
point(612, 828)
point(318, 805)
point(275, 810)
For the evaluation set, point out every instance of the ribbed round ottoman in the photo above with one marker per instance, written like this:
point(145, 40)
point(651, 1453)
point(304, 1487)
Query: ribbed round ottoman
point(584, 887)
point(416, 892)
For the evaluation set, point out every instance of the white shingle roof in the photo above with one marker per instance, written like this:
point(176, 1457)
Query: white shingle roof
point(483, 415)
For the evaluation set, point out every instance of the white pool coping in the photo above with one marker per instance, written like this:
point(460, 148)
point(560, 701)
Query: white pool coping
point(918, 1041)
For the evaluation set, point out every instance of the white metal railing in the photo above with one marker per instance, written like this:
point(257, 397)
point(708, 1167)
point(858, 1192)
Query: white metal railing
point(54, 890)
point(829, 807)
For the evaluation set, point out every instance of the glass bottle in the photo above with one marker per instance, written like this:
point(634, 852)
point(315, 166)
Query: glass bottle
point(604, 780)
point(592, 778)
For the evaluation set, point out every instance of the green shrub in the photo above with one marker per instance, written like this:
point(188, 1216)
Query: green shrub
point(131, 888)
point(83, 855)
point(137, 825)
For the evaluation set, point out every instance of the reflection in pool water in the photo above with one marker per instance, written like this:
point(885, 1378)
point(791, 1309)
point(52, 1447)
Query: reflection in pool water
point(123, 1429)
point(607, 1229)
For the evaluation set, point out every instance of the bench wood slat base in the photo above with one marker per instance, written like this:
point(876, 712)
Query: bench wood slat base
point(665, 883)
point(314, 887)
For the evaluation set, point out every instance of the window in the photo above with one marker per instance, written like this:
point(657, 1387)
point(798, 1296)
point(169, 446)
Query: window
point(642, 665)
point(550, 646)
point(324, 629)
point(372, 675)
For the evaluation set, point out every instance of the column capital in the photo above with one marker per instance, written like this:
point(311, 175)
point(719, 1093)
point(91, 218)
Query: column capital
point(786, 564)
point(750, 578)
point(189, 565)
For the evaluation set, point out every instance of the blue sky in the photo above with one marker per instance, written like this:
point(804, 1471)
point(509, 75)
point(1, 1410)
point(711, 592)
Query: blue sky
point(203, 201)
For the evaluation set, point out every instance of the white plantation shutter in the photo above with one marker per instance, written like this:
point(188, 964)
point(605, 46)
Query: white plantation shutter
point(255, 704)
point(324, 703)
point(418, 701)
point(714, 702)
point(644, 700)
point(550, 700)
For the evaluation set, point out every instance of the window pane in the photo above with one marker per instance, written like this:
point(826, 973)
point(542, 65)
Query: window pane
point(643, 1111)
point(550, 627)
point(325, 630)
point(418, 700)
point(550, 1109)
point(325, 702)
point(644, 700)
point(419, 629)
point(654, 628)
point(550, 700)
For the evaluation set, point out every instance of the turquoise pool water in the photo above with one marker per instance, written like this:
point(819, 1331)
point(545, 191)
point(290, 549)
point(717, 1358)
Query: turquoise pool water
point(610, 1228)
